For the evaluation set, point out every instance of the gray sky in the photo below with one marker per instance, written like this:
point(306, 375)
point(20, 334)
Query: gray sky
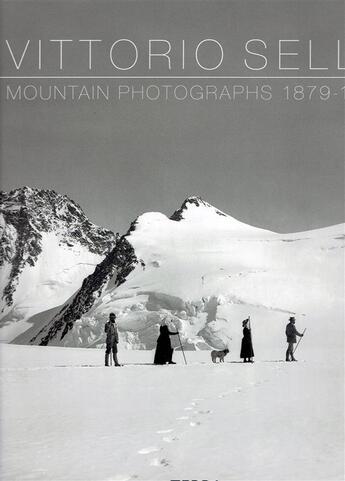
point(277, 164)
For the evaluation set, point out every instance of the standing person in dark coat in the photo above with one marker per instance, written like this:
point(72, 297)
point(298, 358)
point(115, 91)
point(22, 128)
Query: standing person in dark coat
point(247, 351)
point(291, 333)
point(164, 351)
point(110, 329)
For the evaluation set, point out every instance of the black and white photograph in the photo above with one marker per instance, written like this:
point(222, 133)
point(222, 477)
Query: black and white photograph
point(172, 231)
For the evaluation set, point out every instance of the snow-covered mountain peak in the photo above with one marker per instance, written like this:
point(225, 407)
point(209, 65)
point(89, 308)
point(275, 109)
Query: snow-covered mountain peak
point(48, 245)
point(196, 211)
point(32, 198)
point(47, 211)
point(194, 207)
point(194, 214)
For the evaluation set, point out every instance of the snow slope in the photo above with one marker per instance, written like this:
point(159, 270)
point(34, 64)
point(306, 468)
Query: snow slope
point(206, 271)
point(66, 417)
point(48, 246)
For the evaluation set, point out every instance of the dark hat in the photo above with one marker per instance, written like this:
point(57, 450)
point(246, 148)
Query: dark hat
point(292, 319)
point(245, 322)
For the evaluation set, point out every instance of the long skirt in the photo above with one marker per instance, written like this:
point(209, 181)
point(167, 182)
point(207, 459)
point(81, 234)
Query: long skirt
point(246, 348)
point(163, 353)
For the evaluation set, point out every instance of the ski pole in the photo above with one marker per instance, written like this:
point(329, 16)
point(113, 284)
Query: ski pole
point(299, 340)
point(181, 347)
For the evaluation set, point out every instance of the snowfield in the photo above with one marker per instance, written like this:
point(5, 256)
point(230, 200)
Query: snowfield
point(66, 417)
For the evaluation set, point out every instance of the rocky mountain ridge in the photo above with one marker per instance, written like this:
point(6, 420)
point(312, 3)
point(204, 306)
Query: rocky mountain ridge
point(33, 221)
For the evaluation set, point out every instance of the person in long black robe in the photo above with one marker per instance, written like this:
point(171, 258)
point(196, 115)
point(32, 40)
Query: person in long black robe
point(164, 351)
point(247, 351)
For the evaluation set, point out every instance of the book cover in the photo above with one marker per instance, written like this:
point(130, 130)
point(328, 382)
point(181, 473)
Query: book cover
point(172, 240)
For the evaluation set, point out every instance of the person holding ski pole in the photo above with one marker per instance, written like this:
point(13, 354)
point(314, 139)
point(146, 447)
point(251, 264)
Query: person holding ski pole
point(291, 333)
point(164, 351)
point(111, 331)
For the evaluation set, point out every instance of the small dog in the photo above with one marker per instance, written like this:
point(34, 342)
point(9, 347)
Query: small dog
point(219, 354)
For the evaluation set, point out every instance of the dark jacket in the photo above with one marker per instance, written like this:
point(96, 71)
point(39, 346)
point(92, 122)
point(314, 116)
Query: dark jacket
point(164, 350)
point(291, 333)
point(247, 346)
point(110, 329)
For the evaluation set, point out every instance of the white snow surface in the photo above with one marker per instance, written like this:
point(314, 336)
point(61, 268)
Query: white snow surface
point(66, 417)
point(57, 274)
point(208, 272)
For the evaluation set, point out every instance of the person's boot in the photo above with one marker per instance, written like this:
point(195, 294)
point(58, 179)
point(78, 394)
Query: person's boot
point(293, 359)
point(170, 357)
point(116, 362)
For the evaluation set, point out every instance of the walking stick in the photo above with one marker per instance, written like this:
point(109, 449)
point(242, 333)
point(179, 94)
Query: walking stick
point(182, 348)
point(299, 340)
